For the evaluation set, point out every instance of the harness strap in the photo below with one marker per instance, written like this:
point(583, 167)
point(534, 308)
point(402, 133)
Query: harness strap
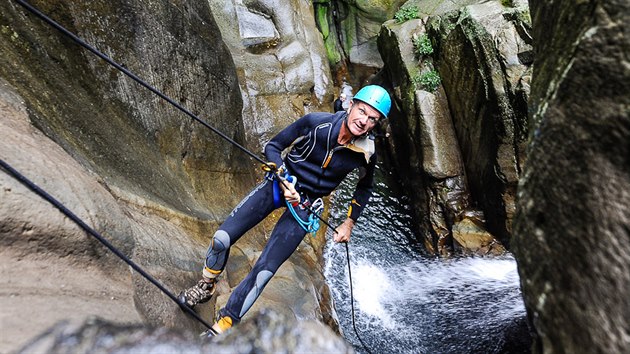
point(277, 194)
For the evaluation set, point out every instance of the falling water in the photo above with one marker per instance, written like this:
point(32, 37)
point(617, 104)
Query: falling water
point(409, 303)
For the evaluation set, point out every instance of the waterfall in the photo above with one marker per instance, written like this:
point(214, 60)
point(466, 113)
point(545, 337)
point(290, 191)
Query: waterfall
point(406, 302)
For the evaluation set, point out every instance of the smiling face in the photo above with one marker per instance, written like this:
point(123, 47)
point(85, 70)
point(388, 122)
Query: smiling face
point(361, 118)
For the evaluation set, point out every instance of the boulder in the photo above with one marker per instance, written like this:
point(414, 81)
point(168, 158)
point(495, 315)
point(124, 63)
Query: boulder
point(265, 332)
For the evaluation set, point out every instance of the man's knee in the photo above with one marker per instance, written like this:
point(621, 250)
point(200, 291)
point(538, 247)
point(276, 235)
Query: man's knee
point(220, 242)
point(216, 256)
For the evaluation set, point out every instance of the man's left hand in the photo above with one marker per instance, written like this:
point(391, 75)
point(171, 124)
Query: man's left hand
point(343, 231)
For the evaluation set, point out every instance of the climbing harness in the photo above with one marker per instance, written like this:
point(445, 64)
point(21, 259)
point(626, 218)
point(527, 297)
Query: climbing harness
point(311, 224)
point(315, 210)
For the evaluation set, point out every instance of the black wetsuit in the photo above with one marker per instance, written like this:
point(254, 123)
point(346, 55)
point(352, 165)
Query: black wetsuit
point(320, 164)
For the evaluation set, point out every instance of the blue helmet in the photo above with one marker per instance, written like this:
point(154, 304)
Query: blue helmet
point(375, 96)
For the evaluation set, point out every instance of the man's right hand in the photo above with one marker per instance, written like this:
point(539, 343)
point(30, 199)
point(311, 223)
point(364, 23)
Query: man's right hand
point(290, 194)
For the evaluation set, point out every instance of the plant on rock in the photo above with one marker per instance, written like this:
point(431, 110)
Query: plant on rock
point(423, 46)
point(407, 13)
point(428, 80)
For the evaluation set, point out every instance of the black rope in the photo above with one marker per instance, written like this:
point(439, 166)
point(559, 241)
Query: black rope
point(133, 76)
point(354, 324)
point(57, 204)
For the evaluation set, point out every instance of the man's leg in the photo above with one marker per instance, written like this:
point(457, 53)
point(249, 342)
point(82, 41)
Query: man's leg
point(249, 212)
point(284, 240)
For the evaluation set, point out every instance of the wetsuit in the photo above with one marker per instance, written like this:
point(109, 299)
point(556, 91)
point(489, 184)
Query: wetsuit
point(320, 164)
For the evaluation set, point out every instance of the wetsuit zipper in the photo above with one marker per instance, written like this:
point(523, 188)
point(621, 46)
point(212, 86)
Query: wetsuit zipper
point(330, 155)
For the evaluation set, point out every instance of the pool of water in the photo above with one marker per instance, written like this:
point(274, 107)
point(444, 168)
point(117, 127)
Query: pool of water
point(407, 302)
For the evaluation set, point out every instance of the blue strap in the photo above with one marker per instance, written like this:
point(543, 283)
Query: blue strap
point(312, 224)
point(276, 194)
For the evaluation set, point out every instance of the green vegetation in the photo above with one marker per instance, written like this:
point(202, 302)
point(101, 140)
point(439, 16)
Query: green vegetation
point(507, 3)
point(428, 80)
point(423, 46)
point(407, 13)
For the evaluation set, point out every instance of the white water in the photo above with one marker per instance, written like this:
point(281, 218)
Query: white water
point(407, 303)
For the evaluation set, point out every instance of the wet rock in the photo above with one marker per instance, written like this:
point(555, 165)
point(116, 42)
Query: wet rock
point(96, 335)
point(136, 142)
point(572, 225)
point(474, 239)
point(476, 56)
point(351, 28)
point(271, 332)
point(256, 29)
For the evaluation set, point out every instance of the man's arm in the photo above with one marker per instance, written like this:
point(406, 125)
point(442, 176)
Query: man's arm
point(360, 198)
point(286, 137)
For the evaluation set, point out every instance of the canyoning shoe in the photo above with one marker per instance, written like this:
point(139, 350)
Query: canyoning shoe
point(223, 324)
point(198, 293)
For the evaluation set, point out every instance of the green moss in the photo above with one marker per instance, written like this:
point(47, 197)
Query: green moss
point(322, 20)
point(332, 53)
point(330, 42)
point(350, 29)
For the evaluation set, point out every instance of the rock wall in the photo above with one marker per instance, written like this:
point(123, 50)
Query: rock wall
point(151, 180)
point(459, 145)
point(279, 55)
point(572, 228)
point(123, 132)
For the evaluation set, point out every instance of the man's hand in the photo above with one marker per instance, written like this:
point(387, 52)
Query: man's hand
point(343, 231)
point(290, 194)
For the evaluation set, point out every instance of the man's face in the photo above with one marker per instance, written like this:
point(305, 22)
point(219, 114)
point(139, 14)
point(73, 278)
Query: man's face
point(362, 118)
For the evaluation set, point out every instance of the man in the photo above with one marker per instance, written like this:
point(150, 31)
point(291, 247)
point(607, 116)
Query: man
point(325, 147)
point(338, 105)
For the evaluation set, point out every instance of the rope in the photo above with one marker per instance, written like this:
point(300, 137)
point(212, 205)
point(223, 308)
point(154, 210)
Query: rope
point(354, 322)
point(133, 76)
point(57, 204)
